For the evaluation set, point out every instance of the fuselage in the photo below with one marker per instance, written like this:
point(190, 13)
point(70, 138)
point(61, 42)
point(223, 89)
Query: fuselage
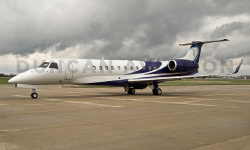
point(97, 72)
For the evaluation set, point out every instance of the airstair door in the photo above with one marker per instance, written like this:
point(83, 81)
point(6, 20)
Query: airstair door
point(68, 66)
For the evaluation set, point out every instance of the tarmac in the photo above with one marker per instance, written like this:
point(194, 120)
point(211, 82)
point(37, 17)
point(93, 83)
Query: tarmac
point(182, 118)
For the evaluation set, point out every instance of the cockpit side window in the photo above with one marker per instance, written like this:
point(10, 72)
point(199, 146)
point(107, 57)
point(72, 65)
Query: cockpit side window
point(44, 65)
point(53, 65)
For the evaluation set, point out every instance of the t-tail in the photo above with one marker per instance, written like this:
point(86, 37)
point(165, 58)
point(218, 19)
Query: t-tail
point(195, 49)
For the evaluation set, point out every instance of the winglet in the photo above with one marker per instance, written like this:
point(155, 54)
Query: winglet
point(238, 68)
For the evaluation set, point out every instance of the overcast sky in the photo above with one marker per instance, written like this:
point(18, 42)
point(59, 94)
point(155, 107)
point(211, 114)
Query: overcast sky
point(122, 29)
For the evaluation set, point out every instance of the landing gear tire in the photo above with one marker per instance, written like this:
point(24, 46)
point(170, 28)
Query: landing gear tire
point(34, 95)
point(157, 91)
point(131, 91)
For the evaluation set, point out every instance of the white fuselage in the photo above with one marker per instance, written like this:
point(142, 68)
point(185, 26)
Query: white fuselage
point(88, 71)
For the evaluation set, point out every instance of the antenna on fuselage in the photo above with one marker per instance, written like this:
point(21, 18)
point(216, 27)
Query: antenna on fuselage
point(102, 58)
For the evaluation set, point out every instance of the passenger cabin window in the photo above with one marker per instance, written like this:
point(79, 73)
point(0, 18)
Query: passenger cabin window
point(149, 68)
point(144, 68)
point(44, 65)
point(106, 67)
point(100, 67)
point(154, 68)
point(131, 67)
point(125, 67)
point(94, 67)
point(112, 67)
point(53, 65)
point(137, 67)
point(118, 67)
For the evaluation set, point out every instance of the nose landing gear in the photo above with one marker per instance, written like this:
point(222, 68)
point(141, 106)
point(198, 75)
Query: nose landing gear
point(34, 94)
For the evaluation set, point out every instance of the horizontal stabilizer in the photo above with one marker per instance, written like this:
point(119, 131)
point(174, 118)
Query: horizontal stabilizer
point(203, 42)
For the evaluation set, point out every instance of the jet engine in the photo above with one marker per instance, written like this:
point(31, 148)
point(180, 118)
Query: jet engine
point(182, 65)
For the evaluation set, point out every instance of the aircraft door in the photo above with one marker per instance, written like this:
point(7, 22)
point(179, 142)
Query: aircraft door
point(68, 66)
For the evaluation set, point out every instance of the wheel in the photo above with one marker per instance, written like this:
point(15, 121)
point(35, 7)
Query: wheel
point(157, 91)
point(34, 95)
point(131, 91)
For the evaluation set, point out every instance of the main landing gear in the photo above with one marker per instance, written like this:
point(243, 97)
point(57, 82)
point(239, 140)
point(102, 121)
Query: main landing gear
point(155, 89)
point(154, 86)
point(129, 90)
point(34, 94)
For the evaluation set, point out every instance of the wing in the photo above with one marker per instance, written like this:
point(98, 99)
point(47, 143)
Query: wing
point(161, 79)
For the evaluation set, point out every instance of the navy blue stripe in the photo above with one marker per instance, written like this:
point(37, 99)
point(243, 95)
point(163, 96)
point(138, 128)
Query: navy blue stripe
point(114, 83)
point(147, 65)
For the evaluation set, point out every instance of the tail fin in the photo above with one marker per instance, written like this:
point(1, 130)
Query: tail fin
point(195, 49)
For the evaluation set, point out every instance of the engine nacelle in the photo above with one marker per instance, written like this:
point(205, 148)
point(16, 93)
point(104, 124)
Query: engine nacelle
point(172, 65)
point(182, 65)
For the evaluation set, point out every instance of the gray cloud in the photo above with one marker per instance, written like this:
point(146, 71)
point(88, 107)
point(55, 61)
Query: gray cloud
point(151, 26)
point(229, 28)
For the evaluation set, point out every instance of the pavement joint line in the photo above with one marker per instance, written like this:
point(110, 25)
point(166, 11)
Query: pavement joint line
point(181, 103)
point(159, 97)
point(165, 97)
point(120, 99)
point(225, 94)
point(238, 101)
point(71, 95)
point(20, 96)
point(202, 99)
point(226, 147)
point(5, 130)
point(82, 103)
point(89, 103)
point(3, 104)
point(50, 99)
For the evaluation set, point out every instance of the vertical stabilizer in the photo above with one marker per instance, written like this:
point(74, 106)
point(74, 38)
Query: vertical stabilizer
point(194, 52)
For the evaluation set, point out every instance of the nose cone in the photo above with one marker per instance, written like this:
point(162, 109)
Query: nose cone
point(15, 79)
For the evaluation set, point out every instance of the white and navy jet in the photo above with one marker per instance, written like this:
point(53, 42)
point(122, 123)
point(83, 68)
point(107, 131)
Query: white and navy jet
point(124, 73)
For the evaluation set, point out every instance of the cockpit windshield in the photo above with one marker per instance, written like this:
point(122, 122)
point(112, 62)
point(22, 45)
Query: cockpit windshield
point(44, 65)
point(53, 65)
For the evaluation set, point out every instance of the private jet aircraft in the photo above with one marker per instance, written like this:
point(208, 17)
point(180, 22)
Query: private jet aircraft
point(128, 74)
